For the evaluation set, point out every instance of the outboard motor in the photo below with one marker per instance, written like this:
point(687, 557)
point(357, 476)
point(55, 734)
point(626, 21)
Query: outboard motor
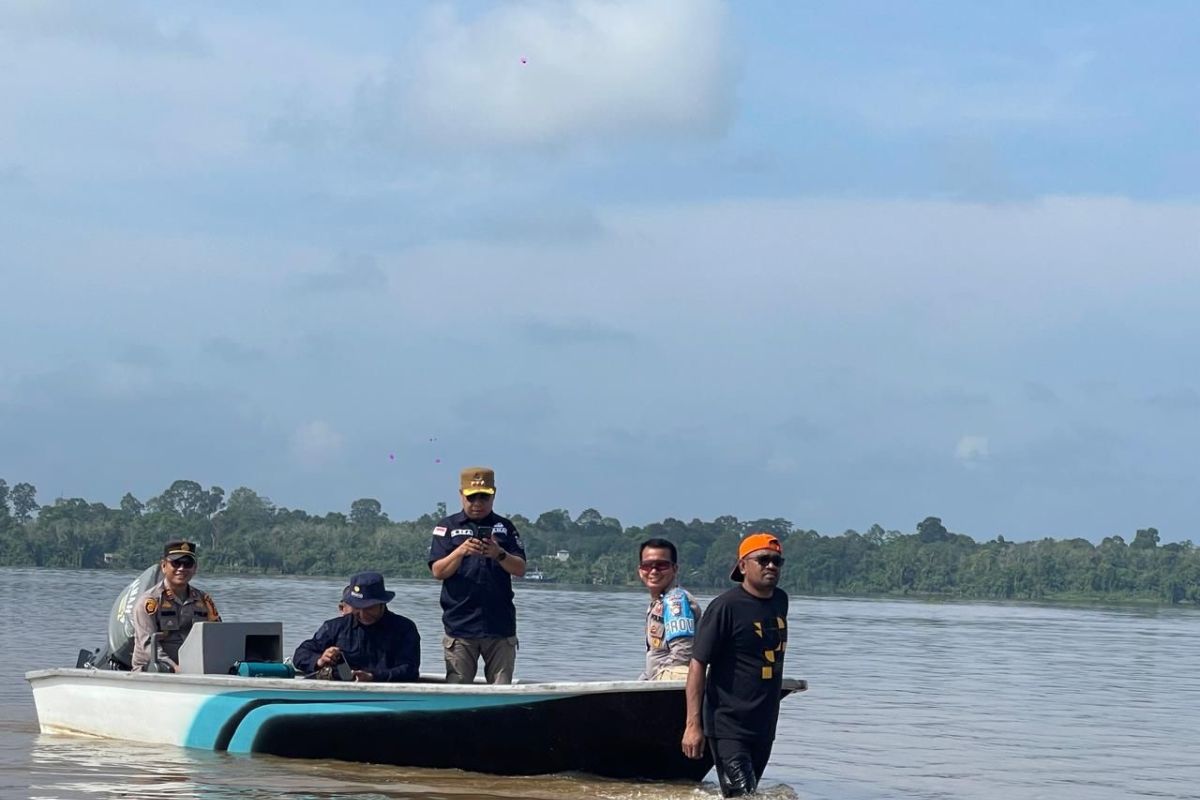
point(118, 652)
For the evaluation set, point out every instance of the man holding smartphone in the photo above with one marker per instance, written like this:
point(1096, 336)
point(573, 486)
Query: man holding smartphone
point(475, 553)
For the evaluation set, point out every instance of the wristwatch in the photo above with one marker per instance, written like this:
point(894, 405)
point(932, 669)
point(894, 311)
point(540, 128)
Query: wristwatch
point(503, 554)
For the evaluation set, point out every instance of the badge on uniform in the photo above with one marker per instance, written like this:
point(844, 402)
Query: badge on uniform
point(151, 605)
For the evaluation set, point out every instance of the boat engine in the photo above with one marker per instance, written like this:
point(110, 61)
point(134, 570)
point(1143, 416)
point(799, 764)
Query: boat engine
point(117, 653)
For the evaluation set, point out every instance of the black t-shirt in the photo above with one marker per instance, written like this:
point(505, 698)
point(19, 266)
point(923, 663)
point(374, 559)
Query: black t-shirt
point(742, 638)
point(477, 600)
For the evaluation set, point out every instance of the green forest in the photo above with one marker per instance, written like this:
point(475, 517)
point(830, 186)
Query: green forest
point(245, 532)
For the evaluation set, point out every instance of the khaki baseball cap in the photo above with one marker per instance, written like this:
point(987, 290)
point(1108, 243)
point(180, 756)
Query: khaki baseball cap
point(478, 480)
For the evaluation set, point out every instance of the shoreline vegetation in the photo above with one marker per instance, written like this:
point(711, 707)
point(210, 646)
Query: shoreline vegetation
point(245, 533)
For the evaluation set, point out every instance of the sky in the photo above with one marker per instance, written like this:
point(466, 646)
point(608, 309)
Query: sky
point(845, 264)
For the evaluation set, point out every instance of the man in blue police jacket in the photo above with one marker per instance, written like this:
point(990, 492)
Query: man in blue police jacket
point(475, 553)
point(376, 644)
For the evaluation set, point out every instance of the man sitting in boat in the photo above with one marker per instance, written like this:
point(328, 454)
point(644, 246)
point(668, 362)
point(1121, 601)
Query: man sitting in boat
point(170, 608)
point(375, 643)
point(672, 616)
point(342, 606)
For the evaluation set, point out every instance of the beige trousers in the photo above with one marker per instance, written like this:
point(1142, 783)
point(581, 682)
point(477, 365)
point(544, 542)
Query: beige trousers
point(678, 673)
point(462, 658)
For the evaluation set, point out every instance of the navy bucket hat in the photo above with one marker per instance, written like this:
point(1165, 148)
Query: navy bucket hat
point(366, 589)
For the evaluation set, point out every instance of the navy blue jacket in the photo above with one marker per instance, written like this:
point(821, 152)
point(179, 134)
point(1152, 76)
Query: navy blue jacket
point(390, 649)
point(477, 601)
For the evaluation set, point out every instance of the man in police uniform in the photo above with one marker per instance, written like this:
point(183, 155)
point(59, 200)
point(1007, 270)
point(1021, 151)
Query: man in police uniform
point(475, 553)
point(671, 616)
point(170, 607)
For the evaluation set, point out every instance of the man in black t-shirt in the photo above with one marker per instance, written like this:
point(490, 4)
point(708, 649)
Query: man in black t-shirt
point(475, 553)
point(736, 673)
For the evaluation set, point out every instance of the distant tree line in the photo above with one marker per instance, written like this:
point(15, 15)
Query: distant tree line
point(245, 532)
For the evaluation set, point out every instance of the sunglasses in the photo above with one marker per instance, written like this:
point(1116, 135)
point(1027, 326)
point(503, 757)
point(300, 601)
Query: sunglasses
point(481, 497)
point(183, 563)
point(762, 561)
point(650, 566)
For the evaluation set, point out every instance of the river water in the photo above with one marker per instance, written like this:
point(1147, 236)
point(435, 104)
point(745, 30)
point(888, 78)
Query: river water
point(907, 699)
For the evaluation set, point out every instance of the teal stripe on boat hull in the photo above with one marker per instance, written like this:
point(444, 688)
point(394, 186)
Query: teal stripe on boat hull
point(232, 720)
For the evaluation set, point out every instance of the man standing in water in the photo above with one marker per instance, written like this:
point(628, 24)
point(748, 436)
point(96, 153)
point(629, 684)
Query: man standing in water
point(671, 616)
point(740, 645)
point(170, 607)
point(475, 553)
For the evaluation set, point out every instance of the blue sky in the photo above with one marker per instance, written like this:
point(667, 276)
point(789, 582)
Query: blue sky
point(843, 264)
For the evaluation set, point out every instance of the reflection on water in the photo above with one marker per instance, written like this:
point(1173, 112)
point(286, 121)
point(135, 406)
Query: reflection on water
point(75, 767)
point(70, 767)
point(907, 699)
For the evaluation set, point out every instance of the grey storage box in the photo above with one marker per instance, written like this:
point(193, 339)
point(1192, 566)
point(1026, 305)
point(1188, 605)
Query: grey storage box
point(213, 647)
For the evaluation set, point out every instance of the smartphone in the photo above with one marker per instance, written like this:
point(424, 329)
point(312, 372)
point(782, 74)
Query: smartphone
point(481, 531)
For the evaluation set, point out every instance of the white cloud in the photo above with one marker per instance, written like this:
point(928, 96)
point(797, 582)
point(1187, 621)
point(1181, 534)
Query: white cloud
point(995, 91)
point(352, 273)
point(592, 72)
point(127, 92)
point(971, 450)
point(316, 443)
point(965, 265)
point(782, 464)
point(123, 26)
point(123, 379)
point(1179, 399)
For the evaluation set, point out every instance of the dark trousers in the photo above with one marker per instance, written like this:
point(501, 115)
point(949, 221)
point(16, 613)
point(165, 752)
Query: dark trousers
point(740, 764)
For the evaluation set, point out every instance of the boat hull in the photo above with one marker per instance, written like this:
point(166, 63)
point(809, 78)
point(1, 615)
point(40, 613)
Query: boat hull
point(625, 729)
point(618, 735)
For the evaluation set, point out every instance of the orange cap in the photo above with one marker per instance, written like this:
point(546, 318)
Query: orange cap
point(755, 541)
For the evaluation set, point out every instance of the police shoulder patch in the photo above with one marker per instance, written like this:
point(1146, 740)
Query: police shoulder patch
point(439, 531)
point(151, 605)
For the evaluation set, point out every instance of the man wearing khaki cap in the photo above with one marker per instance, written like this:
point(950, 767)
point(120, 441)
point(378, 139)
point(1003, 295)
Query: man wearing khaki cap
point(475, 553)
point(736, 674)
point(169, 609)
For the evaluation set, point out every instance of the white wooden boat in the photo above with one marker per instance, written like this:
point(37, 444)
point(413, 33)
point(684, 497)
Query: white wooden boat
point(619, 729)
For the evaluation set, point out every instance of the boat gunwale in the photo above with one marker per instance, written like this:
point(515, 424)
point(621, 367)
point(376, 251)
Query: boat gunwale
point(429, 683)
